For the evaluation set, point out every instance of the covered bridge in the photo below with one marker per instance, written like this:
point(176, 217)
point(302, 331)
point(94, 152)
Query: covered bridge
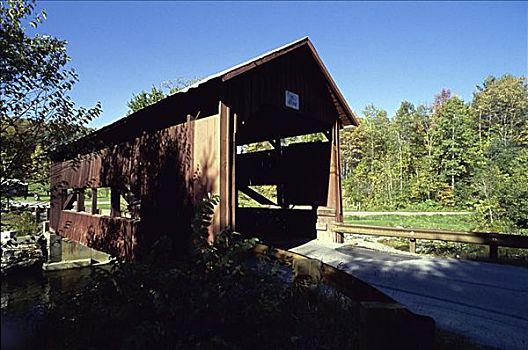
point(158, 162)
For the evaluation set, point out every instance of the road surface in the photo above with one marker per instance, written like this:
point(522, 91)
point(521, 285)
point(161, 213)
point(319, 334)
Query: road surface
point(485, 302)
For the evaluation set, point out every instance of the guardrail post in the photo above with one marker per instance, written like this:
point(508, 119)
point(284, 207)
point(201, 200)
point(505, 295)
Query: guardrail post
point(326, 218)
point(412, 245)
point(493, 252)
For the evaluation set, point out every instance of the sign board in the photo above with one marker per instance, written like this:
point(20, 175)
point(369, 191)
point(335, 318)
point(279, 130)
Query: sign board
point(292, 100)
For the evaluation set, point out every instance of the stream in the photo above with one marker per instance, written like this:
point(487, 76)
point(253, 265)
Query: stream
point(25, 295)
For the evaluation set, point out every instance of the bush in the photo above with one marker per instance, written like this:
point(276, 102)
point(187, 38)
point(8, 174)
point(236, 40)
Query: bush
point(23, 222)
point(218, 297)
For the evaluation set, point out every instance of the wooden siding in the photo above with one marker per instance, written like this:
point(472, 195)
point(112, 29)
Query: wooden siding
point(168, 170)
point(258, 98)
point(116, 236)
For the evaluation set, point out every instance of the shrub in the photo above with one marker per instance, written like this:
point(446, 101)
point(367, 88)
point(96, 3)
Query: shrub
point(218, 297)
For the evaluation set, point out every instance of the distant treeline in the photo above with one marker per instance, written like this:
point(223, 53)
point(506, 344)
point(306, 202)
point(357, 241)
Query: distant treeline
point(451, 154)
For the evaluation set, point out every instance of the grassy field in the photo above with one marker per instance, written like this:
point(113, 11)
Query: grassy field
point(438, 248)
point(441, 222)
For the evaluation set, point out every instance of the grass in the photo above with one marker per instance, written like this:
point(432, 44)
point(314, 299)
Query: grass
point(21, 221)
point(441, 222)
point(511, 256)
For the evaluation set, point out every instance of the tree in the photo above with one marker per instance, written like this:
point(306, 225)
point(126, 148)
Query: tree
point(144, 98)
point(409, 128)
point(501, 109)
point(424, 185)
point(453, 152)
point(501, 121)
point(372, 175)
point(37, 114)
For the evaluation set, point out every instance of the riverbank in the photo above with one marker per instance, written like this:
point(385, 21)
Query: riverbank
point(22, 253)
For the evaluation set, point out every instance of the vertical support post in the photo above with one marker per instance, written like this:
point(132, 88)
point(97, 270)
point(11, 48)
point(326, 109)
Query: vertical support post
point(115, 202)
point(80, 199)
point(412, 245)
point(325, 220)
point(63, 195)
point(233, 152)
point(493, 252)
point(226, 150)
point(333, 211)
point(339, 197)
point(94, 201)
point(56, 200)
point(277, 145)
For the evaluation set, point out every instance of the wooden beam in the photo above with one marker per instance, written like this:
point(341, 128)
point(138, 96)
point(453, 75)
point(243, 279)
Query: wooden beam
point(80, 199)
point(339, 193)
point(412, 245)
point(334, 179)
point(251, 193)
point(225, 165)
point(94, 201)
point(493, 252)
point(486, 238)
point(68, 200)
point(233, 189)
point(115, 202)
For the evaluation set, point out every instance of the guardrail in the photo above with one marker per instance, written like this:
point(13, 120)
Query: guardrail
point(491, 239)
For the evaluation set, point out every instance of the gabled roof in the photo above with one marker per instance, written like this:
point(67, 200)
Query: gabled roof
point(346, 114)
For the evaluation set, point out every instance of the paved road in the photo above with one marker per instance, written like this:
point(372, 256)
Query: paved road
point(405, 213)
point(485, 302)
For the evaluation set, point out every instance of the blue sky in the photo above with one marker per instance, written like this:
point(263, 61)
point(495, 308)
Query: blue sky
point(378, 52)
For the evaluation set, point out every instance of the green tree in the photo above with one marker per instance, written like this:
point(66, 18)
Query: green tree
point(373, 178)
point(147, 98)
point(144, 99)
point(37, 114)
point(409, 129)
point(453, 152)
point(501, 109)
point(423, 186)
point(501, 121)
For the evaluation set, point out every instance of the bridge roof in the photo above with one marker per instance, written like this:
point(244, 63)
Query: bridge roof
point(202, 97)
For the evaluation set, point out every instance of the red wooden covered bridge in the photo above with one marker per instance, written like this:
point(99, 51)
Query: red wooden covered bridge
point(158, 162)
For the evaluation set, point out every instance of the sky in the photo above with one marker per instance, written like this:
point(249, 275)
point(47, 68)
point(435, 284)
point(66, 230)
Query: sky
point(379, 53)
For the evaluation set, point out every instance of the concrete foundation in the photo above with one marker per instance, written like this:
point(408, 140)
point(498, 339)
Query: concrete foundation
point(66, 254)
point(326, 217)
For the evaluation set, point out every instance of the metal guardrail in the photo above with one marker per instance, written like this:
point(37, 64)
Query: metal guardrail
point(492, 239)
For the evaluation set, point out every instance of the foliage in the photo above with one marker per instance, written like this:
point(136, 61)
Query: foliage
point(37, 114)
point(144, 99)
point(147, 98)
point(217, 297)
point(27, 248)
point(501, 118)
point(373, 178)
point(449, 155)
point(21, 221)
point(453, 154)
